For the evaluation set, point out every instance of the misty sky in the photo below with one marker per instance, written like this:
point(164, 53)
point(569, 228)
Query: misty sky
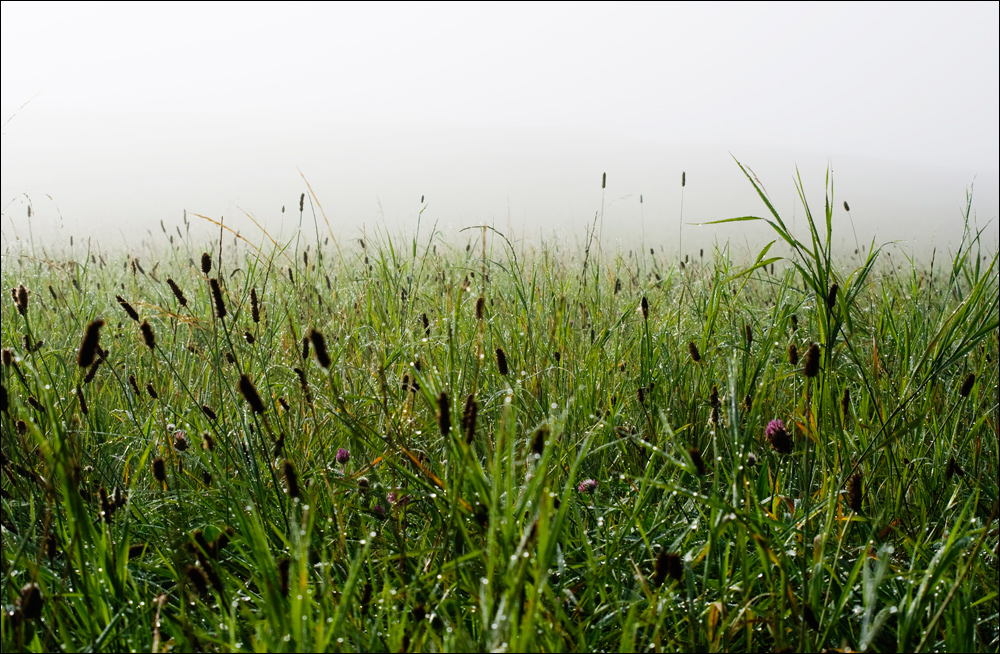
point(505, 114)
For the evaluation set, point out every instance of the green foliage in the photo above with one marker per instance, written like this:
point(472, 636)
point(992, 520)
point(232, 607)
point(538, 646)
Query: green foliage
point(192, 520)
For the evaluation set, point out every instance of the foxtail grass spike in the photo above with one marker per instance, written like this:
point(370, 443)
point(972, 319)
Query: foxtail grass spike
point(502, 362)
point(127, 308)
point(291, 479)
point(644, 305)
point(319, 345)
point(220, 305)
point(147, 335)
point(444, 413)
point(811, 367)
point(178, 293)
point(793, 355)
point(967, 385)
point(206, 263)
point(831, 298)
point(254, 306)
point(699, 463)
point(159, 470)
point(693, 351)
point(854, 492)
point(89, 344)
point(249, 393)
point(469, 418)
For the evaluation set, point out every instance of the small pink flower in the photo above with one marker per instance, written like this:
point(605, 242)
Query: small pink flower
point(343, 456)
point(588, 486)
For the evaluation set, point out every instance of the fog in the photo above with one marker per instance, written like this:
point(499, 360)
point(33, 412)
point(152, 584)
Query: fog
point(118, 118)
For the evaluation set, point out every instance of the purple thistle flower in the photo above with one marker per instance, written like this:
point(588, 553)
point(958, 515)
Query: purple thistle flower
point(778, 437)
point(343, 456)
point(588, 486)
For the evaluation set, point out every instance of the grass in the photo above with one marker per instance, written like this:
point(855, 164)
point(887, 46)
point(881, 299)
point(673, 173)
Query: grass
point(186, 490)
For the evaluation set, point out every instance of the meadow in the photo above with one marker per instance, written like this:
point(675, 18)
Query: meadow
point(441, 444)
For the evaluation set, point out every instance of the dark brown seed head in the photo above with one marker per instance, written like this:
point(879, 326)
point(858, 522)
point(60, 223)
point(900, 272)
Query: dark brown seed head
point(502, 362)
point(159, 470)
point(795, 323)
point(127, 308)
point(249, 393)
point(209, 413)
point(713, 398)
point(698, 462)
point(284, 567)
point(811, 367)
point(793, 355)
point(249, 338)
point(538, 442)
point(319, 345)
point(83, 401)
point(89, 344)
point(291, 479)
point(683, 179)
point(747, 403)
point(604, 180)
point(845, 405)
point(21, 299)
point(304, 384)
point(444, 413)
point(667, 565)
point(206, 263)
point(854, 492)
point(254, 306)
point(693, 350)
point(831, 298)
point(967, 385)
point(197, 579)
point(641, 395)
point(207, 442)
point(426, 323)
point(953, 469)
point(748, 334)
point(133, 383)
point(469, 418)
point(51, 545)
point(31, 602)
point(302, 203)
point(147, 335)
point(644, 305)
point(8, 357)
point(480, 306)
point(151, 391)
point(618, 286)
point(178, 293)
point(137, 550)
point(810, 617)
point(21, 427)
point(305, 348)
point(220, 305)
point(847, 207)
point(279, 446)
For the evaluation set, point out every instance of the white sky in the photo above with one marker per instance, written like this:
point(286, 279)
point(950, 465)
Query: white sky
point(505, 113)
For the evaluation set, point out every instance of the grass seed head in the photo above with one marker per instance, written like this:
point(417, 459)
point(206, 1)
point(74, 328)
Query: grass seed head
point(291, 479)
point(480, 307)
point(220, 305)
point(795, 323)
point(967, 385)
point(151, 391)
point(845, 405)
point(444, 413)
point(698, 462)
point(197, 579)
point(319, 345)
point(127, 308)
point(206, 263)
point(31, 602)
point(89, 344)
point(4, 400)
point(953, 469)
point(748, 334)
point(178, 293)
point(793, 355)
point(502, 362)
point(469, 418)
point(644, 305)
point(159, 470)
point(831, 298)
point(84, 409)
point(811, 367)
point(254, 306)
point(7, 357)
point(854, 492)
point(207, 442)
point(209, 412)
point(538, 442)
point(693, 350)
point(21, 299)
point(147, 335)
point(249, 393)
